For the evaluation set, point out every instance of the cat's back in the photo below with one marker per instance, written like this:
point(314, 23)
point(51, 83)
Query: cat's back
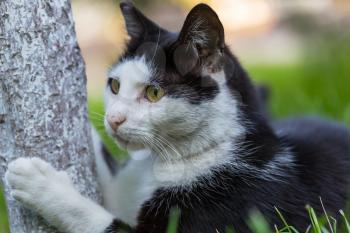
point(322, 157)
point(315, 138)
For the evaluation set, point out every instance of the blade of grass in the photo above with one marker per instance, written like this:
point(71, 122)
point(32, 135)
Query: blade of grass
point(325, 212)
point(346, 221)
point(173, 221)
point(283, 220)
point(314, 221)
point(334, 224)
point(294, 229)
point(258, 224)
point(229, 230)
point(287, 228)
point(276, 228)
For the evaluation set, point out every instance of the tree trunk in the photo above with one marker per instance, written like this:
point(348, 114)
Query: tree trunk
point(43, 101)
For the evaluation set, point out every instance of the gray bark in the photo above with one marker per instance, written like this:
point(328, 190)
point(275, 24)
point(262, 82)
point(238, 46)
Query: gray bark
point(43, 108)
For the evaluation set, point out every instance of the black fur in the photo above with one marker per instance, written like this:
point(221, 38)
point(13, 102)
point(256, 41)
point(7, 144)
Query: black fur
point(320, 149)
point(118, 226)
point(109, 160)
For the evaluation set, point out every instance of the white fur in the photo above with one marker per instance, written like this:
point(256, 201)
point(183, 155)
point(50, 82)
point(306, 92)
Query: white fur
point(133, 185)
point(105, 178)
point(133, 75)
point(219, 76)
point(50, 192)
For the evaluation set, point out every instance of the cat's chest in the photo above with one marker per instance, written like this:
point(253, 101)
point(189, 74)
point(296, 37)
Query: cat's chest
point(137, 182)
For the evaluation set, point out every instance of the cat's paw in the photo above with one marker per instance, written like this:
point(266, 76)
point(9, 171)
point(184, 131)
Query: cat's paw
point(36, 183)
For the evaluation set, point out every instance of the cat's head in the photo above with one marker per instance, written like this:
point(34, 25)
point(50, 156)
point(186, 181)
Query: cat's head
point(170, 91)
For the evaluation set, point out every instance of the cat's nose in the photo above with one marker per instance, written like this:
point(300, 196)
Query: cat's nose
point(115, 121)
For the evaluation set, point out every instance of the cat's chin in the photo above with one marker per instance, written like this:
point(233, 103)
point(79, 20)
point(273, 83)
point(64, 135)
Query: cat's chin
point(128, 145)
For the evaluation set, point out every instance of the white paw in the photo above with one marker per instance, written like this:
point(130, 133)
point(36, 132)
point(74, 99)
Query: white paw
point(36, 183)
point(39, 186)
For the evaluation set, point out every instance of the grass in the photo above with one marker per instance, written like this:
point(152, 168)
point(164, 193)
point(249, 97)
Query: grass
point(318, 224)
point(3, 215)
point(258, 224)
point(300, 89)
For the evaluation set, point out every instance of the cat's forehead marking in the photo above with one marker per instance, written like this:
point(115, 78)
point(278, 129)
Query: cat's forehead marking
point(135, 71)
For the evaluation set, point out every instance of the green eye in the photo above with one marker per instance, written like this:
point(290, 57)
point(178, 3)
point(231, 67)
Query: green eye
point(154, 93)
point(114, 86)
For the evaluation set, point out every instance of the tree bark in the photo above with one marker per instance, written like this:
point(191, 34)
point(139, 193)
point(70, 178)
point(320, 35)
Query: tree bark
point(43, 110)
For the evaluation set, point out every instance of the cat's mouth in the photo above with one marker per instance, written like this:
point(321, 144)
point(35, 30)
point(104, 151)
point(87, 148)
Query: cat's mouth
point(121, 139)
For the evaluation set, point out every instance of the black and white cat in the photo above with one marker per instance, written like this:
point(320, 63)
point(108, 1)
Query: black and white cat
point(186, 111)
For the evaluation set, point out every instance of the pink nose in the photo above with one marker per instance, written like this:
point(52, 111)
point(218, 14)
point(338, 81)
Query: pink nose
point(115, 121)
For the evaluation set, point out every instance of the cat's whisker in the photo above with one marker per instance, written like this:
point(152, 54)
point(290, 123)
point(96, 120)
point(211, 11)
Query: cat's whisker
point(96, 118)
point(168, 144)
point(161, 139)
point(155, 50)
point(160, 150)
point(96, 113)
point(159, 146)
point(147, 139)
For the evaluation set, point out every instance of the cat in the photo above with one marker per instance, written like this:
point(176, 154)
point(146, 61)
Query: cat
point(199, 143)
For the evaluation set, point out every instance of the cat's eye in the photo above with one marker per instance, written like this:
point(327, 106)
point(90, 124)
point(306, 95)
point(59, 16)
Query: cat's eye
point(154, 93)
point(114, 85)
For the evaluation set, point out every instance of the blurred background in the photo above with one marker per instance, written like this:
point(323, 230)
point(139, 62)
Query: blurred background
point(299, 49)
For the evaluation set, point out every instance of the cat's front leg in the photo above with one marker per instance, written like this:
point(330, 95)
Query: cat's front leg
point(51, 193)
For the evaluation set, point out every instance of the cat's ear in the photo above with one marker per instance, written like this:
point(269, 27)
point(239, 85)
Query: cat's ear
point(203, 28)
point(202, 35)
point(137, 24)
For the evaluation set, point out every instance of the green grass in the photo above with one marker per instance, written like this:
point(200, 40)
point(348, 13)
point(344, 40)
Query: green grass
point(258, 224)
point(300, 90)
point(3, 214)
